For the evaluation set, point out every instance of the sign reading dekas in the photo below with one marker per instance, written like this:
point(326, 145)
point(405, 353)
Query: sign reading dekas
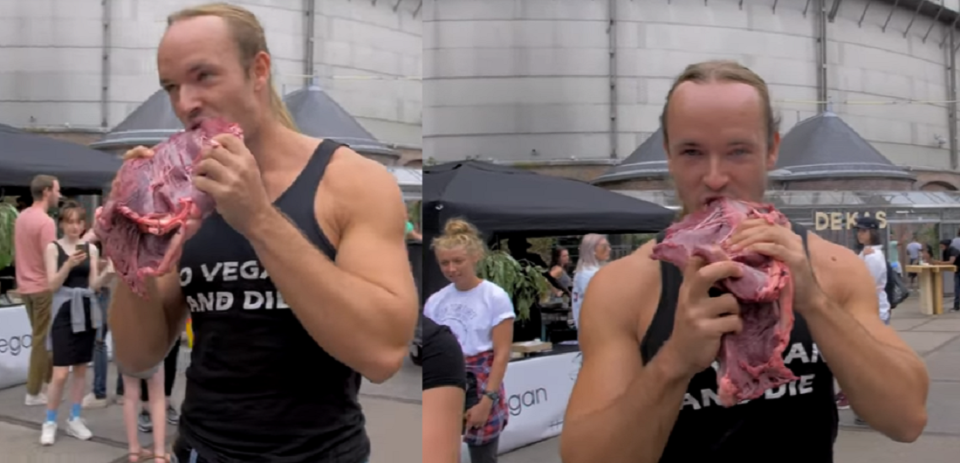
point(837, 221)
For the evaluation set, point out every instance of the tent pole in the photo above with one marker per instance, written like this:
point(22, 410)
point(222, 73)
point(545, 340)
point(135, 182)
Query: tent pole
point(105, 64)
point(951, 52)
point(612, 33)
point(821, 19)
point(310, 12)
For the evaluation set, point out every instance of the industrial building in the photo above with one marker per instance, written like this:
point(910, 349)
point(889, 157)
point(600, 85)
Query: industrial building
point(77, 69)
point(573, 87)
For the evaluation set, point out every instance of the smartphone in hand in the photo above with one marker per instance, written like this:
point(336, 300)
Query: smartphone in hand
point(83, 248)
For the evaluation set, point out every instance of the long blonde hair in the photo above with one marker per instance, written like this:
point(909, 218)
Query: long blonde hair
point(250, 38)
point(458, 232)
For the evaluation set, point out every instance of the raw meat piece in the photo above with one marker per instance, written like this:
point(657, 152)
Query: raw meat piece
point(153, 206)
point(752, 361)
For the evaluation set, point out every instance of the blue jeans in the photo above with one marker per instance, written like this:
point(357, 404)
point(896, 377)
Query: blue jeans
point(100, 361)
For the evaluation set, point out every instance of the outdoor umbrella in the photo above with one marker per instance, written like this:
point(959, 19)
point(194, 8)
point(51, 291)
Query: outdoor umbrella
point(24, 155)
point(499, 199)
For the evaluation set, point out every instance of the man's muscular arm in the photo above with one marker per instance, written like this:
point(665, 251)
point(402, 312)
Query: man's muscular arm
point(884, 379)
point(363, 308)
point(621, 411)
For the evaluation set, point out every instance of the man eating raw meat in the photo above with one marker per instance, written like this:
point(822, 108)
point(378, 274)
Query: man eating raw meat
point(648, 388)
point(297, 284)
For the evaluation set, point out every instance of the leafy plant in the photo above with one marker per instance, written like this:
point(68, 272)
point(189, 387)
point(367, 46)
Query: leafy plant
point(414, 210)
point(525, 283)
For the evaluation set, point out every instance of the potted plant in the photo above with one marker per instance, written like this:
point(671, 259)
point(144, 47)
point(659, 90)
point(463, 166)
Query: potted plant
point(525, 283)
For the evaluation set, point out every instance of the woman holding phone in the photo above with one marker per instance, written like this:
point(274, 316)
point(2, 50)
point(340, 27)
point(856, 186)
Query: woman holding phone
point(73, 277)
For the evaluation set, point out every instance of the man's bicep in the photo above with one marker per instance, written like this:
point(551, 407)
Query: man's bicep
point(860, 300)
point(373, 245)
point(611, 353)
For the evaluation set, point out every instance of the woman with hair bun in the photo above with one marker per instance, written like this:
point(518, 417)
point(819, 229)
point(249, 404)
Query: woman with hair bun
point(480, 315)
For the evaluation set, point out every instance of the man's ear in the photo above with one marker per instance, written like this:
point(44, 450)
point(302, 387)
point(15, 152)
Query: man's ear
point(773, 153)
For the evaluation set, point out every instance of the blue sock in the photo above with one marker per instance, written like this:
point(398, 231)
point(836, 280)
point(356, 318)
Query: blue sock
point(75, 411)
point(51, 416)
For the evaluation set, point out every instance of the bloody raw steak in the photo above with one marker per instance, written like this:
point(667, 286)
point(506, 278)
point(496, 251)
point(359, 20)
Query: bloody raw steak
point(752, 361)
point(153, 206)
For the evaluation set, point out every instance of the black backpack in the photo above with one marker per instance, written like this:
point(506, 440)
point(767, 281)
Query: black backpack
point(896, 290)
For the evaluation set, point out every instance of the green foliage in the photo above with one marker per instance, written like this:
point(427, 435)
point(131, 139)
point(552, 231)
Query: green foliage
point(526, 284)
point(543, 247)
point(414, 210)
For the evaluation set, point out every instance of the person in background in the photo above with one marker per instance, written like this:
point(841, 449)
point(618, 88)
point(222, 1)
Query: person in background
point(412, 233)
point(480, 314)
point(34, 229)
point(559, 278)
point(444, 386)
point(914, 248)
point(949, 256)
point(97, 398)
point(594, 252)
point(868, 236)
point(145, 422)
point(132, 422)
point(74, 278)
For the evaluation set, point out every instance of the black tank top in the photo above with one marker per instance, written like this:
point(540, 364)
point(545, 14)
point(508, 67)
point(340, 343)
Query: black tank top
point(78, 276)
point(259, 388)
point(798, 420)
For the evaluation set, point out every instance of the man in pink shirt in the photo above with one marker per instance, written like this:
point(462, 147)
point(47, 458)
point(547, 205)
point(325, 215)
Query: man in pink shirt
point(33, 231)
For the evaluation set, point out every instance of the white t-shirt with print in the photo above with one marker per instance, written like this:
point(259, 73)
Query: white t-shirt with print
point(470, 315)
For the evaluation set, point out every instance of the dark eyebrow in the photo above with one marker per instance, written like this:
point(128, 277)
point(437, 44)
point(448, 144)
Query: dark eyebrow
point(194, 68)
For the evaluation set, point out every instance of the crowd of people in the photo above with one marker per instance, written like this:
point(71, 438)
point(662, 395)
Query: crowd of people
point(65, 284)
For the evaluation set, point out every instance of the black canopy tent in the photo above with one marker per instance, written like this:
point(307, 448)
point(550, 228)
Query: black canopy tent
point(78, 168)
point(499, 199)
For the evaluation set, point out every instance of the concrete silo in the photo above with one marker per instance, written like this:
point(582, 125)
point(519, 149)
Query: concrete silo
point(78, 68)
point(574, 86)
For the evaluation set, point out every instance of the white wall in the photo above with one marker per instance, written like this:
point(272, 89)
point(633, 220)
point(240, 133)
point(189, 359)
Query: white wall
point(506, 77)
point(51, 54)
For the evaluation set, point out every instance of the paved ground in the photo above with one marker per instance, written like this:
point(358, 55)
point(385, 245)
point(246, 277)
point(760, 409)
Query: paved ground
point(938, 340)
point(390, 409)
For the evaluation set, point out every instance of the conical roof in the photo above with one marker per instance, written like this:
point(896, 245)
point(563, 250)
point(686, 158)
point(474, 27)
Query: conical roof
point(318, 115)
point(152, 122)
point(825, 147)
point(649, 160)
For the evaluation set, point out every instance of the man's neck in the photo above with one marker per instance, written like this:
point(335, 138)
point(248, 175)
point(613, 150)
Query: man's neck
point(40, 206)
point(271, 139)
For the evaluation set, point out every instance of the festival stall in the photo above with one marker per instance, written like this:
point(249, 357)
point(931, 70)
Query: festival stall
point(501, 200)
point(23, 155)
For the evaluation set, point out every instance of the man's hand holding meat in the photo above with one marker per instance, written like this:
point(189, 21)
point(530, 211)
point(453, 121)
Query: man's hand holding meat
point(884, 379)
point(779, 242)
point(701, 320)
point(229, 173)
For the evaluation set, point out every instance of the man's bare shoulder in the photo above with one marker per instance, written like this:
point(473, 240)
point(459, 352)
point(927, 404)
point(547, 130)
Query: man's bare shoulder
point(834, 265)
point(627, 290)
point(350, 173)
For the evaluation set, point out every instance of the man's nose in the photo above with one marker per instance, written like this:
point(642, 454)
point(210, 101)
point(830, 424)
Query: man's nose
point(716, 178)
point(187, 101)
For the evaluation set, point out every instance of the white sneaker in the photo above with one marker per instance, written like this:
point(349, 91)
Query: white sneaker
point(48, 433)
point(91, 401)
point(34, 400)
point(78, 428)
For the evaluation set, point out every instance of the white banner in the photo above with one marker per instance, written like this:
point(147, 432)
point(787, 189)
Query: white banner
point(537, 393)
point(15, 344)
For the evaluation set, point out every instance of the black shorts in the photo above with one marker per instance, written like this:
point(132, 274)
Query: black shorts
point(71, 348)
